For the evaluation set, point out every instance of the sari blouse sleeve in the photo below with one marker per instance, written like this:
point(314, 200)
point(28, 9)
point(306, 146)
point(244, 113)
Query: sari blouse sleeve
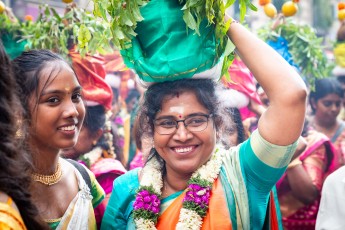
point(315, 165)
point(263, 162)
point(97, 191)
point(10, 218)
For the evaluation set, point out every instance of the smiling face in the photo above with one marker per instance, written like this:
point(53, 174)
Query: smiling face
point(57, 115)
point(184, 151)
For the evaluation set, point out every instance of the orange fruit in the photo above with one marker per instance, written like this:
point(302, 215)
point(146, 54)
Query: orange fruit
point(289, 8)
point(341, 14)
point(67, 1)
point(2, 7)
point(28, 17)
point(264, 2)
point(270, 10)
point(295, 1)
point(341, 5)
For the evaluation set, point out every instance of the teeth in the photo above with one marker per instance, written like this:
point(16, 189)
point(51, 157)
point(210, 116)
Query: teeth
point(183, 150)
point(68, 128)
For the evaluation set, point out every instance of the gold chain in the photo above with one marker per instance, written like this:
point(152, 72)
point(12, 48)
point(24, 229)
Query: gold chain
point(49, 179)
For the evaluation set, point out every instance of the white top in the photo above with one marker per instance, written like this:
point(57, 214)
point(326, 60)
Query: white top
point(332, 207)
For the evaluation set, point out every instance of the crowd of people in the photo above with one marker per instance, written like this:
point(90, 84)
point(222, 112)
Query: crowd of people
point(262, 151)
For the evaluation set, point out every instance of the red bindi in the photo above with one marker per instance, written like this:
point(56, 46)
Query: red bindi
point(177, 95)
point(180, 116)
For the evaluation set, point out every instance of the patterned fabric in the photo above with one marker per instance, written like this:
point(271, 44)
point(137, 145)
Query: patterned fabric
point(10, 218)
point(248, 175)
point(318, 161)
point(91, 74)
point(80, 212)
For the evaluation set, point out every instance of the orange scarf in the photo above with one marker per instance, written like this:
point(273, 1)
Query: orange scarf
point(217, 216)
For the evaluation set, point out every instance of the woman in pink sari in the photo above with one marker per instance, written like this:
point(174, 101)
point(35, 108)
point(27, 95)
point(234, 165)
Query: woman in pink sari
point(300, 187)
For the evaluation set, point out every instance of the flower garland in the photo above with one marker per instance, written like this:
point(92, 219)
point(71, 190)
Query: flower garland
point(91, 157)
point(196, 200)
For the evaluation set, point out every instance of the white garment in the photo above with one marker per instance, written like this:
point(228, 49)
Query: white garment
point(331, 215)
point(78, 213)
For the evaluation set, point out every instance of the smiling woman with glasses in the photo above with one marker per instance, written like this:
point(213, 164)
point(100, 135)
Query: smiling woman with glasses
point(189, 180)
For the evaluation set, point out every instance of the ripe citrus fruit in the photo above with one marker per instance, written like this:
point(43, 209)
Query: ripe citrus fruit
point(295, 1)
point(341, 14)
point(341, 5)
point(2, 7)
point(289, 8)
point(28, 17)
point(67, 1)
point(264, 2)
point(270, 10)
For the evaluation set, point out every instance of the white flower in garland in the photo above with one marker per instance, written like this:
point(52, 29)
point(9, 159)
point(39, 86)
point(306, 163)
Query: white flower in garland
point(145, 224)
point(91, 157)
point(189, 220)
point(196, 200)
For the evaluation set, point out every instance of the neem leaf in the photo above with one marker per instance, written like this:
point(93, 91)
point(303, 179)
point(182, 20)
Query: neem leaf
point(190, 21)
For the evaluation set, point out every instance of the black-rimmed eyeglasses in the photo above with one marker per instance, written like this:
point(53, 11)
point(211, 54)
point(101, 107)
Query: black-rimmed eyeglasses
point(194, 123)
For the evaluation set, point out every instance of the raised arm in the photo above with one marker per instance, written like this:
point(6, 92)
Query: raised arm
point(282, 122)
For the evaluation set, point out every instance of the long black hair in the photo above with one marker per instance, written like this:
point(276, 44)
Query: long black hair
point(15, 162)
point(95, 119)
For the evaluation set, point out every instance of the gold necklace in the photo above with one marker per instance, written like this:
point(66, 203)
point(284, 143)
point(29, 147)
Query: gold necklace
point(49, 179)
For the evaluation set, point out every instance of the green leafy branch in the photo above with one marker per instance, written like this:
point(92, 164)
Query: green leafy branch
point(122, 17)
point(60, 33)
point(9, 27)
point(305, 47)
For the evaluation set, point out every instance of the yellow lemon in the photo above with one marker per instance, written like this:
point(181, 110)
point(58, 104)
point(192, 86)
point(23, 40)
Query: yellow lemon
point(2, 7)
point(289, 8)
point(341, 14)
point(270, 10)
point(67, 1)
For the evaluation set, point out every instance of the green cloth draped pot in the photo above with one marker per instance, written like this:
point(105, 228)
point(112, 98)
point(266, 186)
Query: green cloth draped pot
point(165, 49)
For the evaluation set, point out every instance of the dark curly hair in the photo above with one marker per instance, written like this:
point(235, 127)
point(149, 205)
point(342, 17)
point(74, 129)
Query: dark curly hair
point(15, 163)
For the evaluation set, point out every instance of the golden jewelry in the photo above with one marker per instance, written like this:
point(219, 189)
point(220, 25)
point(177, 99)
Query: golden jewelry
point(52, 220)
point(49, 179)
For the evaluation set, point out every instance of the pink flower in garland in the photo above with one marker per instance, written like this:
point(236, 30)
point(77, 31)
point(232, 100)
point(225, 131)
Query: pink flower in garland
point(197, 198)
point(147, 204)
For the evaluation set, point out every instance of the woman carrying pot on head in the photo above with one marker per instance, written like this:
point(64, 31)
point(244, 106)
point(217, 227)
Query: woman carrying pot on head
point(190, 182)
